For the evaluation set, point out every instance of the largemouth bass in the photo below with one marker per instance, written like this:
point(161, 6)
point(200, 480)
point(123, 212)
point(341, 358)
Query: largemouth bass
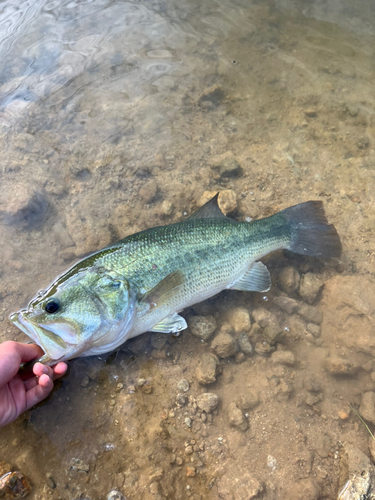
point(141, 283)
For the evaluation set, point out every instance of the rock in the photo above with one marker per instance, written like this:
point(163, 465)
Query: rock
point(207, 402)
point(244, 344)
point(268, 321)
point(76, 464)
point(167, 207)
point(349, 312)
point(238, 484)
point(283, 358)
point(367, 408)
point(239, 319)
point(310, 287)
point(207, 369)
point(148, 191)
point(344, 415)
point(85, 381)
point(62, 235)
point(236, 417)
point(371, 447)
point(181, 399)
point(190, 471)
point(229, 168)
point(314, 330)
point(23, 204)
point(68, 253)
point(202, 326)
point(248, 400)
point(14, 485)
point(227, 200)
point(340, 366)
point(255, 331)
point(323, 445)
point(271, 463)
point(50, 481)
point(115, 495)
point(264, 348)
point(183, 385)
point(289, 280)
point(357, 474)
point(310, 313)
point(310, 112)
point(311, 384)
point(224, 345)
point(286, 304)
point(305, 489)
point(313, 399)
point(211, 97)
point(297, 327)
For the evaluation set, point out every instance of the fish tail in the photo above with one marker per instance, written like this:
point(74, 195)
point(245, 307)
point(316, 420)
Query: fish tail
point(310, 232)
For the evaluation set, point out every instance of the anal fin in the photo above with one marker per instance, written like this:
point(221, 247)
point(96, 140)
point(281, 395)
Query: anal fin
point(256, 279)
point(171, 324)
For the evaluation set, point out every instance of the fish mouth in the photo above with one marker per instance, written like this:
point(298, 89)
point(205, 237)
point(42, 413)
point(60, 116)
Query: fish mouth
point(52, 344)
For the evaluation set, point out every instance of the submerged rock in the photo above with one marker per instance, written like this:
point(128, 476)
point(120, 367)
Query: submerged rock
point(289, 280)
point(283, 358)
point(310, 287)
point(23, 204)
point(207, 369)
point(14, 485)
point(236, 417)
point(207, 402)
point(115, 495)
point(224, 345)
point(239, 319)
point(244, 344)
point(340, 366)
point(367, 408)
point(202, 326)
point(357, 475)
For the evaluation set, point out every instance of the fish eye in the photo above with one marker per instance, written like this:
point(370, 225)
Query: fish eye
point(52, 306)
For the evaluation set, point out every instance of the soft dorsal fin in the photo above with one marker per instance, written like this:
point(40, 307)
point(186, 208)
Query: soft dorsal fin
point(210, 210)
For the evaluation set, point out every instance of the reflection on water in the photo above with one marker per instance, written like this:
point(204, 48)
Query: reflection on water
point(118, 116)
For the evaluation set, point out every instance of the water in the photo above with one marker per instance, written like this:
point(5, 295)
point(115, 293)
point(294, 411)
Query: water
point(113, 118)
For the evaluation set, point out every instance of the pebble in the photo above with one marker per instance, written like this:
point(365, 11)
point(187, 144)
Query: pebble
point(239, 319)
point(190, 471)
point(248, 401)
point(289, 280)
point(367, 408)
point(207, 402)
point(340, 366)
point(166, 207)
point(297, 327)
point(50, 481)
point(202, 326)
point(76, 464)
point(181, 399)
point(313, 329)
point(311, 384)
point(283, 358)
point(310, 313)
point(207, 369)
point(85, 381)
point(224, 345)
point(264, 348)
point(271, 463)
point(310, 287)
point(227, 200)
point(310, 112)
point(357, 474)
point(148, 191)
point(188, 422)
point(115, 495)
point(236, 417)
point(14, 485)
point(244, 344)
point(24, 204)
point(268, 321)
point(343, 414)
point(286, 304)
point(239, 357)
point(189, 450)
point(230, 168)
point(183, 385)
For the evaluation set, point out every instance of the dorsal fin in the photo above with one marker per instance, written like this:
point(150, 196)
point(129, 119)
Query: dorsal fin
point(210, 210)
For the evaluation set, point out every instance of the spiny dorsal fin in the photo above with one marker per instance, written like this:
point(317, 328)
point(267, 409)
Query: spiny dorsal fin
point(210, 210)
point(164, 289)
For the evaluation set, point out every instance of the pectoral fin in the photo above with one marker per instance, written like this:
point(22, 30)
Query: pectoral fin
point(164, 290)
point(256, 279)
point(171, 324)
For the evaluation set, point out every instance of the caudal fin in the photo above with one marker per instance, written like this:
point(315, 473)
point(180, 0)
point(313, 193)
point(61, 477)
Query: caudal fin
point(311, 233)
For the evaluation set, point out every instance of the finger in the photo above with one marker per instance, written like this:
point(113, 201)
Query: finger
point(12, 354)
point(30, 383)
point(39, 369)
point(39, 392)
point(59, 370)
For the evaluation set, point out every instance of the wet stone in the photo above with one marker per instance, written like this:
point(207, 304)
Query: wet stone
point(310, 313)
point(310, 287)
point(24, 204)
point(268, 321)
point(341, 366)
point(190, 471)
point(311, 384)
point(248, 400)
point(50, 481)
point(264, 348)
point(289, 280)
point(207, 402)
point(314, 330)
point(230, 168)
point(202, 326)
point(224, 345)
point(367, 408)
point(357, 474)
point(236, 417)
point(183, 385)
point(207, 369)
point(283, 358)
point(76, 464)
point(286, 304)
point(14, 485)
point(115, 495)
point(239, 319)
point(297, 327)
point(181, 399)
point(244, 344)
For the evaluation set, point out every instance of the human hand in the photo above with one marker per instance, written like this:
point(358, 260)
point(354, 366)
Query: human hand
point(19, 392)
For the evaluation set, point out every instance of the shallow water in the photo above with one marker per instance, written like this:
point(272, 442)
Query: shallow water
point(115, 117)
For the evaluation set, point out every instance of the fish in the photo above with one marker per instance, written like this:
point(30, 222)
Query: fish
point(142, 283)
